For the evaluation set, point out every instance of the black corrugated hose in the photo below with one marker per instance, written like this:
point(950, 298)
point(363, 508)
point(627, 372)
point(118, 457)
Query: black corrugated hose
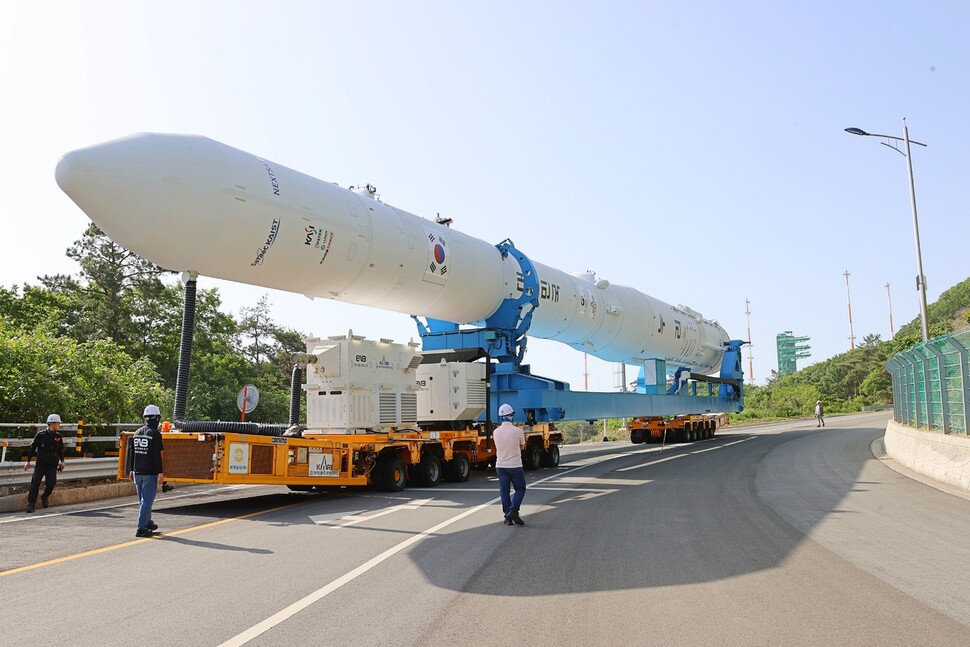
point(295, 383)
point(185, 350)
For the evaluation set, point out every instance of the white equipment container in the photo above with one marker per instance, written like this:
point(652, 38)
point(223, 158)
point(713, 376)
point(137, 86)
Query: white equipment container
point(357, 385)
point(451, 391)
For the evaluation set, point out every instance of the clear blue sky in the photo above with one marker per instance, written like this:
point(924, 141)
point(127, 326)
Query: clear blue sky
point(693, 150)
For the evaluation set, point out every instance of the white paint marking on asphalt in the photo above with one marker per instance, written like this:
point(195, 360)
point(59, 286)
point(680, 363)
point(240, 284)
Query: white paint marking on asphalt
point(647, 464)
point(582, 480)
point(320, 519)
point(701, 451)
point(353, 518)
point(299, 605)
point(465, 489)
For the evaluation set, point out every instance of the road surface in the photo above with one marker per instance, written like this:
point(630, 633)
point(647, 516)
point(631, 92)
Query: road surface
point(780, 534)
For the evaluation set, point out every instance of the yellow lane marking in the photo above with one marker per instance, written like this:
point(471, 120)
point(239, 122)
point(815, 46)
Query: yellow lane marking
point(98, 551)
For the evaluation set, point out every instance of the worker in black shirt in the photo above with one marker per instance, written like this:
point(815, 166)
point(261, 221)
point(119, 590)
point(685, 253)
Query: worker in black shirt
point(48, 446)
point(145, 450)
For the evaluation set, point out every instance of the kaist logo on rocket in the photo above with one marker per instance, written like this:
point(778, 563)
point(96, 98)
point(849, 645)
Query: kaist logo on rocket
point(270, 239)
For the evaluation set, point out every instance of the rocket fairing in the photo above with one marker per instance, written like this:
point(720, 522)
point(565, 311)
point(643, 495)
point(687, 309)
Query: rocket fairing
point(188, 203)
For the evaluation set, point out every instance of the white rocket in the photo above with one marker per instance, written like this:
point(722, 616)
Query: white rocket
point(189, 203)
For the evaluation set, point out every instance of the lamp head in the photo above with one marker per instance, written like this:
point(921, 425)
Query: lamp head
point(856, 131)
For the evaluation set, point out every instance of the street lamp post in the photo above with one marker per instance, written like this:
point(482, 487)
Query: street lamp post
point(920, 277)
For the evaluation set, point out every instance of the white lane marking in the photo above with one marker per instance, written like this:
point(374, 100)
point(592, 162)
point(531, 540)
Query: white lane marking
point(592, 480)
point(353, 518)
point(709, 449)
point(320, 519)
point(303, 603)
point(648, 463)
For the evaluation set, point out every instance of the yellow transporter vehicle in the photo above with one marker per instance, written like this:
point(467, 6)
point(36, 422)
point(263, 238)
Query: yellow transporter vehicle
point(375, 416)
point(676, 429)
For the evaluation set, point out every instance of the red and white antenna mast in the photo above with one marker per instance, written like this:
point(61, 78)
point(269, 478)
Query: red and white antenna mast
point(747, 312)
point(849, 300)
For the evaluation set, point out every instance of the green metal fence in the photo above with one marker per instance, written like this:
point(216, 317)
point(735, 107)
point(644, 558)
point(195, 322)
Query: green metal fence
point(931, 384)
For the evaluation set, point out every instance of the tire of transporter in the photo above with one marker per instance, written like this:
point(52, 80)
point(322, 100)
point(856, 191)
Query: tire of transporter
point(531, 457)
point(687, 434)
point(428, 472)
point(391, 475)
point(636, 436)
point(550, 457)
point(458, 469)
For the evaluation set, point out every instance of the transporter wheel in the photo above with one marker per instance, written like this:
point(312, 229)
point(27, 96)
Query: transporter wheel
point(458, 469)
point(391, 475)
point(428, 471)
point(687, 435)
point(550, 457)
point(531, 457)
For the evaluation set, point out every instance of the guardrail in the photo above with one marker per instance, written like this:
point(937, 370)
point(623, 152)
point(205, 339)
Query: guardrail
point(13, 473)
point(931, 384)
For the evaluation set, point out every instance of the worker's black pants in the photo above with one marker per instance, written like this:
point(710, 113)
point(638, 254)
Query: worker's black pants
point(42, 470)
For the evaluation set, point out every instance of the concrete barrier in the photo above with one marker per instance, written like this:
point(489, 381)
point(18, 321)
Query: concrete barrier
point(68, 495)
point(942, 457)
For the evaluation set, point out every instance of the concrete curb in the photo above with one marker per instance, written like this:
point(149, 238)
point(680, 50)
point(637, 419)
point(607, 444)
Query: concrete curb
point(68, 495)
point(942, 457)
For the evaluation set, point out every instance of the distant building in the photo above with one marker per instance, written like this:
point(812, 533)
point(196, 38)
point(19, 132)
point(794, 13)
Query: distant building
point(790, 348)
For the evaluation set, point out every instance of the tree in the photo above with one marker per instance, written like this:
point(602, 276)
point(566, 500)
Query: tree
point(94, 380)
point(870, 341)
point(112, 280)
point(577, 431)
point(258, 328)
point(159, 333)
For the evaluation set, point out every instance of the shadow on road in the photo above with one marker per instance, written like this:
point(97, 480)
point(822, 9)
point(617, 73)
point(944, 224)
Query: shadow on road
point(701, 517)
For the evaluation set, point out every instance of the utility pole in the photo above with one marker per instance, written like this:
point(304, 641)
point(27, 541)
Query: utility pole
point(849, 299)
point(892, 331)
point(747, 311)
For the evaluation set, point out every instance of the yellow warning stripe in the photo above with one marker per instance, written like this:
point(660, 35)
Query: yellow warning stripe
point(106, 549)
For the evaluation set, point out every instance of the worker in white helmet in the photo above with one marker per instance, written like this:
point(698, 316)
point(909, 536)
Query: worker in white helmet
point(509, 443)
point(145, 450)
point(48, 446)
point(819, 414)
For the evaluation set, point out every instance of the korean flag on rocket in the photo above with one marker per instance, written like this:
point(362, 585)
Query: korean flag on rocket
point(436, 271)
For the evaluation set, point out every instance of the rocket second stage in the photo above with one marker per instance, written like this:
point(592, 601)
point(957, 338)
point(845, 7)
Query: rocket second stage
point(189, 203)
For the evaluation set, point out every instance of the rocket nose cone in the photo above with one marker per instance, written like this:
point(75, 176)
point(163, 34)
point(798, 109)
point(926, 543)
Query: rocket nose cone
point(68, 171)
point(115, 185)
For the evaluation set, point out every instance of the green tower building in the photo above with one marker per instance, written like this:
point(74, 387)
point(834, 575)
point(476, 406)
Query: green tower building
point(790, 348)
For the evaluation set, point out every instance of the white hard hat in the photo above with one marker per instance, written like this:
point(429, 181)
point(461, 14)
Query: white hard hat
point(506, 410)
point(151, 410)
point(53, 418)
